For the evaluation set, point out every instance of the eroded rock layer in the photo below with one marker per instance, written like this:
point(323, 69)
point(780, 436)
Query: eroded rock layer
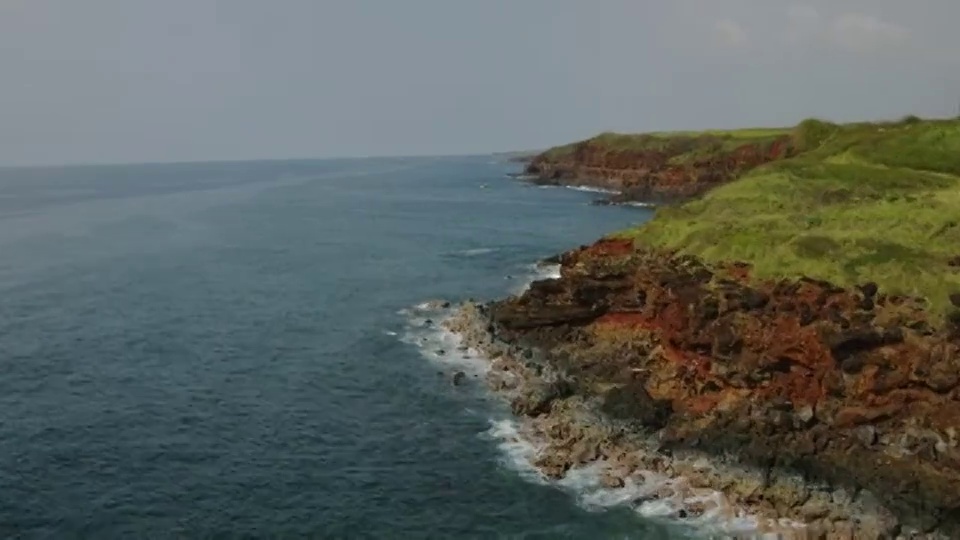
point(673, 169)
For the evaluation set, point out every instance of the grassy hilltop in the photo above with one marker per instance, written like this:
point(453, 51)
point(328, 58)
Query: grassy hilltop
point(863, 202)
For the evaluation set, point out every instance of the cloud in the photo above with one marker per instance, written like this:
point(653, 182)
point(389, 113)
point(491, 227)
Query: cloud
point(730, 33)
point(860, 32)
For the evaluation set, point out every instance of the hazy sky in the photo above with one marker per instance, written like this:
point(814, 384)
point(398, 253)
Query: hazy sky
point(168, 80)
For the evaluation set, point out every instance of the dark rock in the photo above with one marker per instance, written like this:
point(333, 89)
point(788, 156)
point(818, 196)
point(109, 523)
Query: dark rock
point(955, 299)
point(441, 352)
point(726, 341)
point(754, 299)
point(869, 290)
point(458, 378)
point(850, 342)
point(954, 262)
point(633, 402)
point(709, 308)
point(548, 315)
point(852, 365)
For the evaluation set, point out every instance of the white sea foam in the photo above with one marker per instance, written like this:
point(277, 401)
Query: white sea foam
point(517, 452)
point(425, 330)
point(591, 189)
point(476, 252)
point(535, 272)
point(640, 204)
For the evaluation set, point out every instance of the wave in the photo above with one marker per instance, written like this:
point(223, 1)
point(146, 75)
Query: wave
point(591, 189)
point(667, 500)
point(475, 252)
point(536, 272)
point(424, 329)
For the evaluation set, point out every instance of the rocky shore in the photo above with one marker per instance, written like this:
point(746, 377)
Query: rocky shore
point(826, 412)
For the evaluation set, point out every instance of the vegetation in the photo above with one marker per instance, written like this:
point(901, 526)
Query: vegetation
point(862, 202)
point(682, 144)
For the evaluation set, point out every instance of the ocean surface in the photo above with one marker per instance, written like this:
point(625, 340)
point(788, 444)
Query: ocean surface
point(228, 349)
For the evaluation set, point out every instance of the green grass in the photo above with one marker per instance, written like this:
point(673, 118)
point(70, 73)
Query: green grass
point(680, 145)
point(864, 202)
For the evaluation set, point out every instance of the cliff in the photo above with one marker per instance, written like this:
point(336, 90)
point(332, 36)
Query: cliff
point(660, 167)
point(801, 321)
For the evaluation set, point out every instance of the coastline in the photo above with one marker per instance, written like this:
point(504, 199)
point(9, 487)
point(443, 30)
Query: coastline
point(783, 342)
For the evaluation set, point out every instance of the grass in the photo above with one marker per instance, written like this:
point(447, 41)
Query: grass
point(863, 202)
point(680, 145)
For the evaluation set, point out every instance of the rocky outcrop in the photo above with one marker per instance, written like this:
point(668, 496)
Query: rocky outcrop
point(656, 169)
point(840, 407)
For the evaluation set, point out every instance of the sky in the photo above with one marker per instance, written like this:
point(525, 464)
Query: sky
point(105, 81)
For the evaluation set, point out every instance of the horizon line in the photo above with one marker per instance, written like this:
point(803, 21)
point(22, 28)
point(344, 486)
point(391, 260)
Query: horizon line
point(254, 160)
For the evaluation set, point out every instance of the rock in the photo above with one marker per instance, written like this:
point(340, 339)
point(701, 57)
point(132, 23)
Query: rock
point(852, 365)
point(754, 299)
point(611, 480)
point(850, 342)
point(869, 290)
point(458, 378)
point(813, 510)
point(805, 415)
point(441, 352)
point(853, 416)
point(633, 402)
point(955, 299)
point(867, 435)
point(585, 451)
point(538, 398)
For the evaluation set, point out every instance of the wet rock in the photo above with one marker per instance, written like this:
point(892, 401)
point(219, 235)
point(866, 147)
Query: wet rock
point(585, 451)
point(441, 352)
point(459, 378)
point(611, 480)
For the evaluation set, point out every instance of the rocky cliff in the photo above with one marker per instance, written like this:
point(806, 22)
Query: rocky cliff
point(790, 339)
point(658, 168)
point(849, 388)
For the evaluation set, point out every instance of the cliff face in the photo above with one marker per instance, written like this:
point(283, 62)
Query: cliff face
point(849, 387)
point(657, 168)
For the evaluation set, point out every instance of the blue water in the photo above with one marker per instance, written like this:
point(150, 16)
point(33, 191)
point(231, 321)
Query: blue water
point(206, 349)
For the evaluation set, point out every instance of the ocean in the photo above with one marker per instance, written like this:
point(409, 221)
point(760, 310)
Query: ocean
point(231, 349)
